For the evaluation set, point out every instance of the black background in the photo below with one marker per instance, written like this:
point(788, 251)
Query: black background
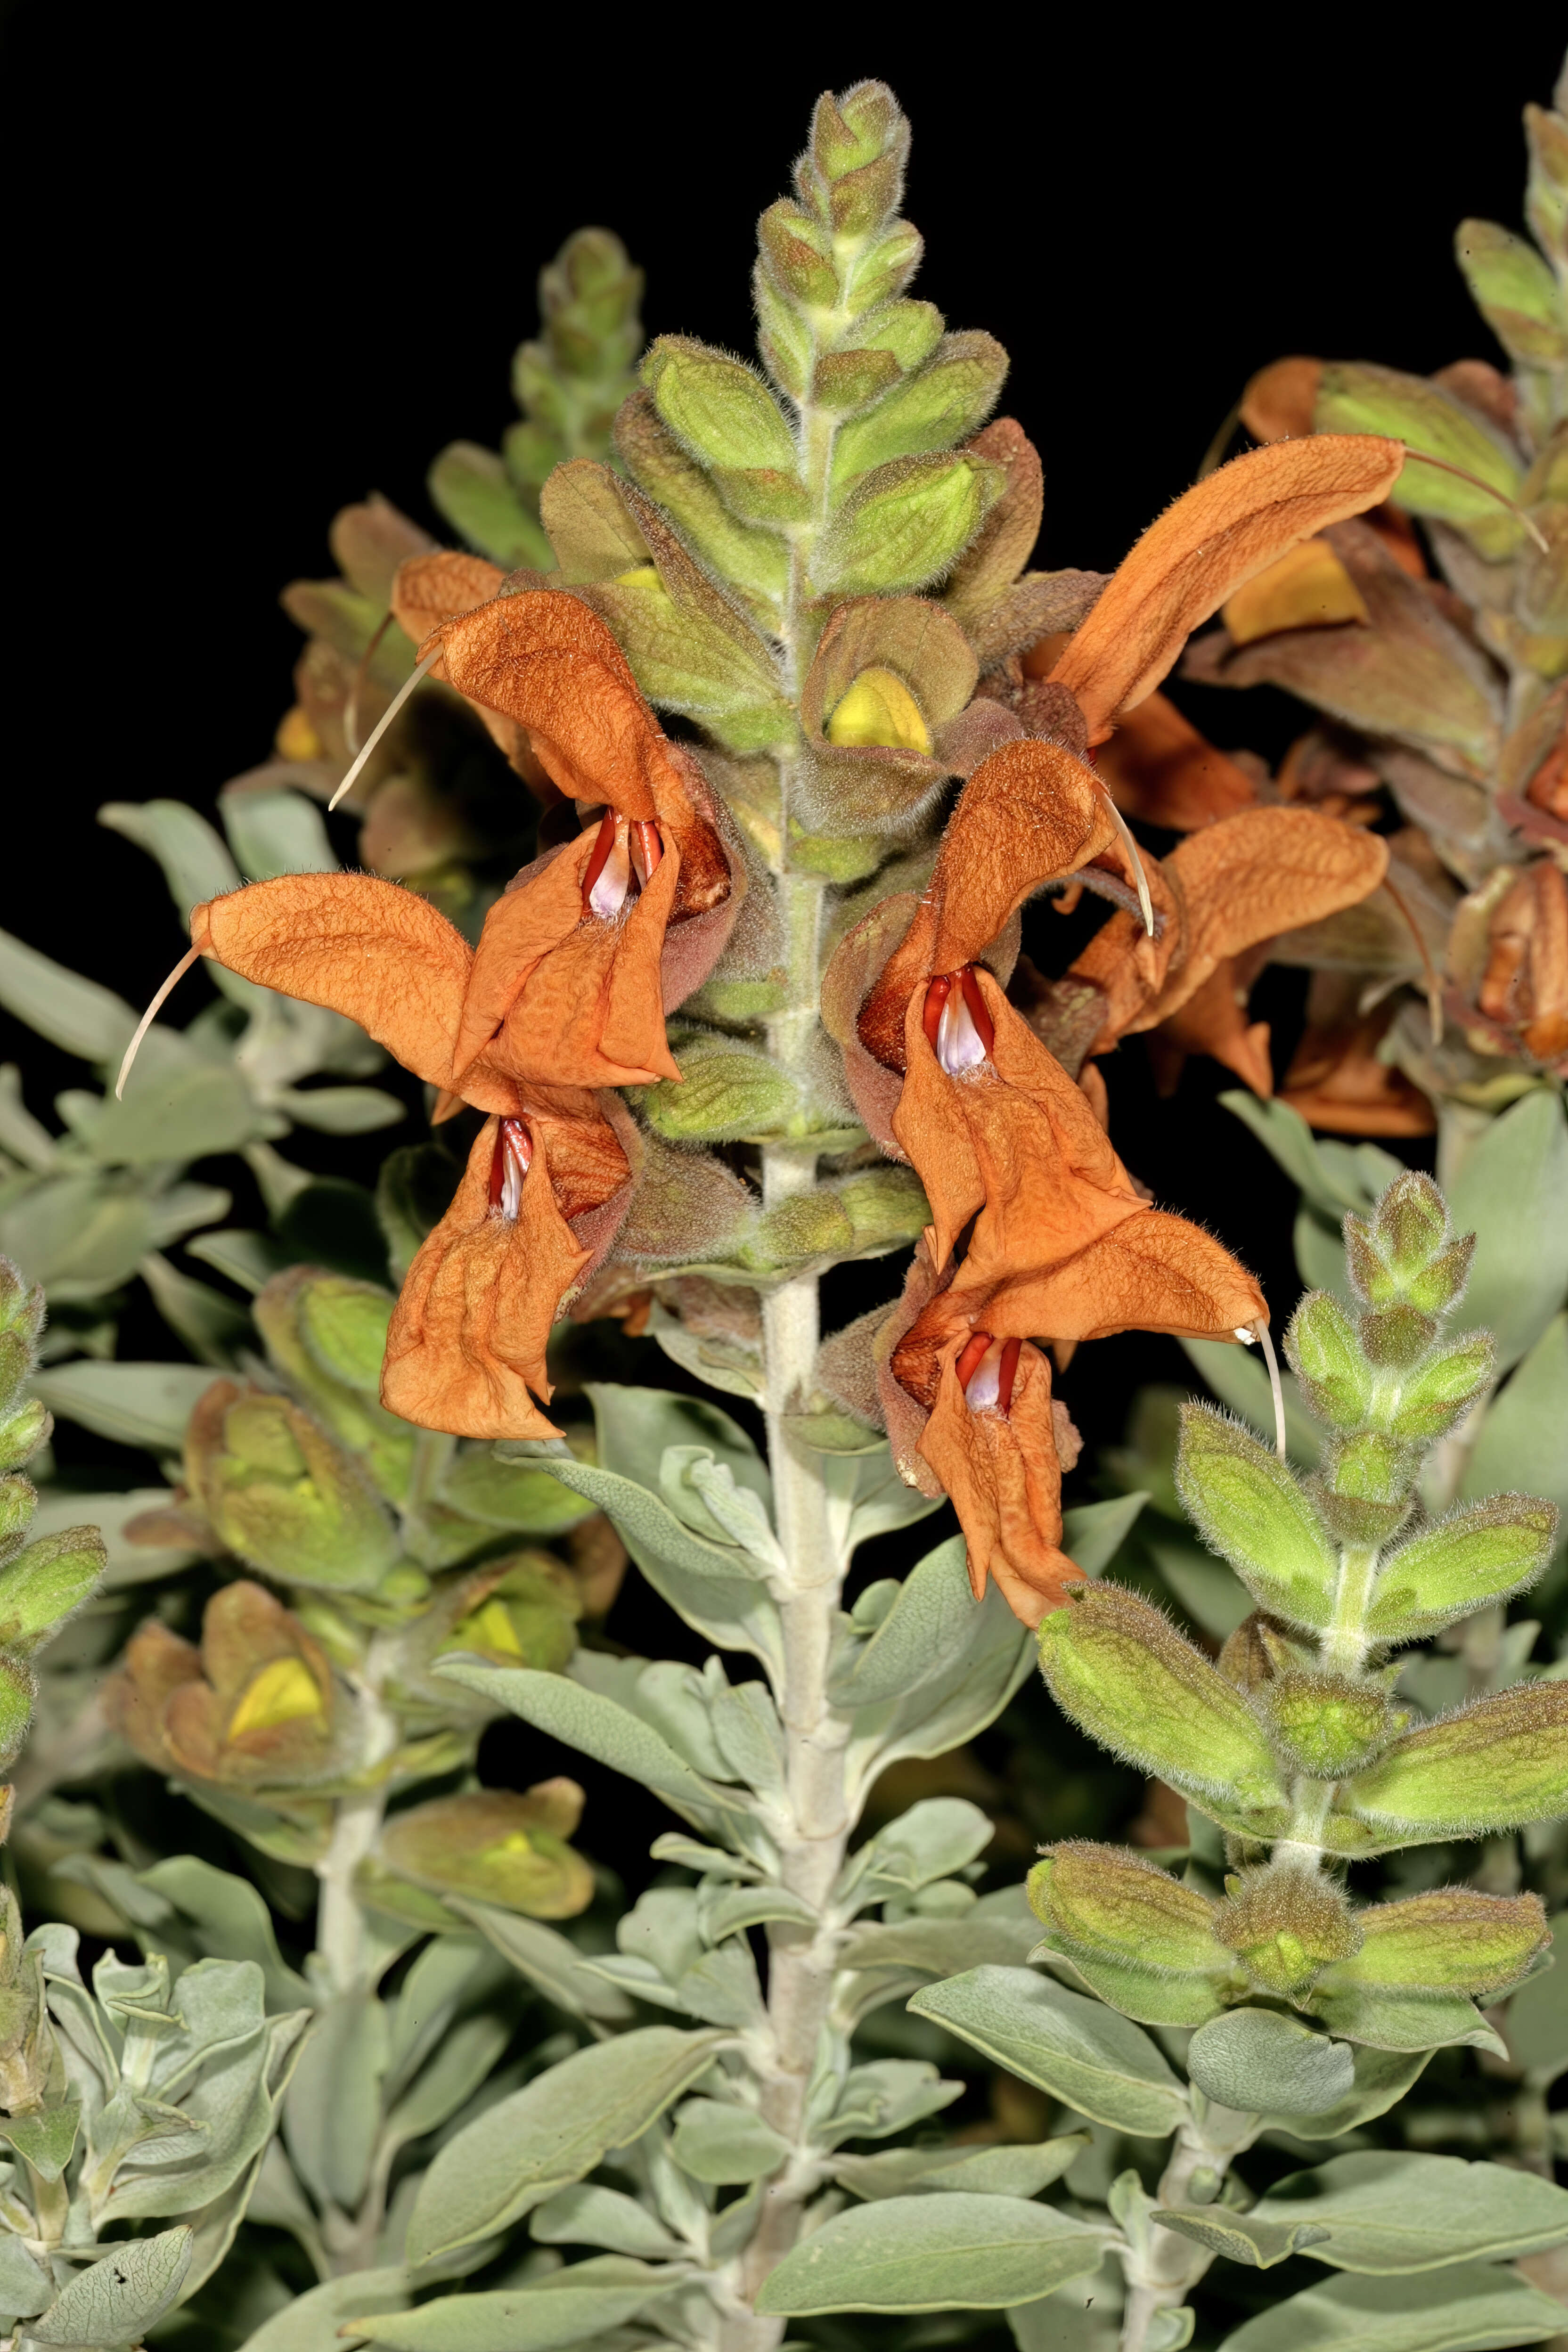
point(259, 264)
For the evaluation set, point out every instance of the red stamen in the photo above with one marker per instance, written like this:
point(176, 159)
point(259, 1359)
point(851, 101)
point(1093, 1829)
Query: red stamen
point(971, 1357)
point(509, 1166)
point(936, 997)
point(1007, 1373)
point(603, 845)
point(646, 849)
point(979, 1011)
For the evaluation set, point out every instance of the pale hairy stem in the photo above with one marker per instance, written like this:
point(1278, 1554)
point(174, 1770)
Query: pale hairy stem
point(1167, 2266)
point(346, 1950)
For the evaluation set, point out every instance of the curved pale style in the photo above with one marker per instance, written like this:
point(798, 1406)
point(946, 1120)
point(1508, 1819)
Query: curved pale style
point(1220, 533)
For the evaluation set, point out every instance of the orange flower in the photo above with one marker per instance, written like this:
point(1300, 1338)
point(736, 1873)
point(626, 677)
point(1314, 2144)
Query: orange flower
point(1158, 768)
point(549, 1177)
point(1337, 1082)
point(595, 941)
point(1228, 888)
point(973, 1417)
point(1218, 535)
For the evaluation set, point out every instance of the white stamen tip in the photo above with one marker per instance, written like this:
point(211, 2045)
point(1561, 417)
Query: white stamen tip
point(1246, 1334)
point(382, 723)
point(959, 1043)
point(186, 961)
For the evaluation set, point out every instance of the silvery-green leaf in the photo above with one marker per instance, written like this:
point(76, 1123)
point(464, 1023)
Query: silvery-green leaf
point(662, 1928)
point(214, 2226)
point(1257, 2060)
point(1211, 1594)
point(1248, 2238)
point(1094, 1533)
point(888, 2096)
point(936, 1837)
point(749, 1735)
point(46, 2137)
point(674, 1699)
point(878, 1499)
point(195, 864)
point(1388, 2209)
point(180, 1103)
point(273, 833)
point(572, 2305)
point(314, 2321)
point(728, 1912)
point(181, 1208)
point(231, 1922)
point(1000, 1930)
point(1519, 1446)
point(1014, 2170)
point(468, 2053)
point(1387, 2019)
point(1096, 2062)
point(934, 2253)
point(712, 1861)
point(1138, 1992)
point(1240, 1379)
point(136, 1404)
point(79, 1234)
point(231, 2109)
point(600, 1729)
point(706, 1496)
point(27, 1138)
point(332, 2113)
point(551, 2132)
point(724, 1364)
point(213, 1326)
point(339, 1110)
point(722, 1988)
point(452, 1974)
point(1085, 2315)
point(548, 1960)
point(247, 1259)
point(930, 1627)
point(1331, 1183)
point(637, 1425)
point(718, 1590)
point(75, 1013)
point(25, 2289)
point(1509, 1193)
point(115, 2301)
point(945, 1713)
point(1466, 2309)
point(516, 1497)
point(721, 2143)
point(591, 2215)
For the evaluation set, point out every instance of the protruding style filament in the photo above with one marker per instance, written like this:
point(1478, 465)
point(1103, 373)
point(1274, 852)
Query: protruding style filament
point(382, 723)
point(191, 956)
point(509, 1166)
point(1247, 1333)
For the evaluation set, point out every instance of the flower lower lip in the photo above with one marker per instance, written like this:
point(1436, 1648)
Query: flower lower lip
point(957, 1020)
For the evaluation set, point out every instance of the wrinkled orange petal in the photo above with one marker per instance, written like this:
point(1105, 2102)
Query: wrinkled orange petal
point(1214, 1022)
point(1151, 1272)
point(544, 659)
point(1159, 768)
point(467, 1336)
point(1015, 1138)
point(1029, 815)
point(1221, 533)
point(430, 589)
point(362, 947)
point(1337, 1083)
point(1002, 1474)
point(1235, 884)
point(567, 998)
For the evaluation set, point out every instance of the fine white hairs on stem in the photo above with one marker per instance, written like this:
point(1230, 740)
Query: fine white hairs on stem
point(1443, 466)
point(191, 956)
point(382, 723)
point(1145, 903)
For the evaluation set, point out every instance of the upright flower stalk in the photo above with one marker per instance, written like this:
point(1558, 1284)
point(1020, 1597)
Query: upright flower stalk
point(755, 1009)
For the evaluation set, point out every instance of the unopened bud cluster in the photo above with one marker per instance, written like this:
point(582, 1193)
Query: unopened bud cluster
point(1294, 1738)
